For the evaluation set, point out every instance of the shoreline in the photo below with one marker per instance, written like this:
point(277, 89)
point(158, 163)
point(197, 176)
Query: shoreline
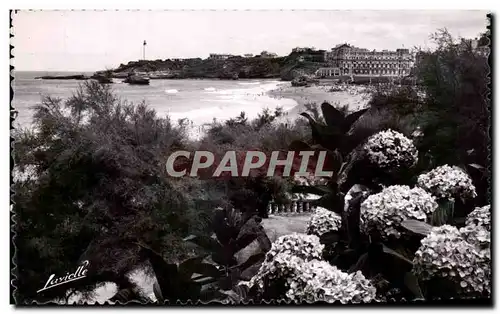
point(354, 97)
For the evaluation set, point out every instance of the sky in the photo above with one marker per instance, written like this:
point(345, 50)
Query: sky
point(97, 40)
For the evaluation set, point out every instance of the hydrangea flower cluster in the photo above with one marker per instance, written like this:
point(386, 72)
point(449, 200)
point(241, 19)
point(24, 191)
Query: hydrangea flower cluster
point(481, 217)
point(322, 221)
point(313, 280)
point(384, 211)
point(477, 230)
point(445, 254)
point(306, 247)
point(391, 150)
point(448, 182)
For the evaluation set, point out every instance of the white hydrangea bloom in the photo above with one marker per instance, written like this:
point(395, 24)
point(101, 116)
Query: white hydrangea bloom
point(330, 284)
point(322, 221)
point(444, 253)
point(448, 182)
point(391, 150)
point(304, 246)
point(477, 230)
point(284, 266)
point(384, 211)
point(480, 216)
point(313, 280)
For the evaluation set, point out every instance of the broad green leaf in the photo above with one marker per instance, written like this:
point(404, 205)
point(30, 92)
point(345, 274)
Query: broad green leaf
point(363, 264)
point(392, 252)
point(250, 231)
point(224, 257)
point(417, 227)
point(299, 146)
point(190, 266)
point(327, 137)
point(157, 292)
point(221, 227)
point(411, 282)
point(166, 274)
point(208, 270)
point(352, 220)
point(331, 201)
point(351, 119)
point(329, 237)
point(333, 117)
point(476, 166)
point(208, 243)
point(250, 261)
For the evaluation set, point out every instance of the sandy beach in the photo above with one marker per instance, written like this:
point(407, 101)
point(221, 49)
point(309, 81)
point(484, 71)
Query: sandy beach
point(354, 97)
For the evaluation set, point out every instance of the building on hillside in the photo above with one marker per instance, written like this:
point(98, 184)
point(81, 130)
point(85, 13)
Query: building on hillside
point(248, 55)
point(217, 56)
point(266, 54)
point(302, 49)
point(328, 72)
point(363, 62)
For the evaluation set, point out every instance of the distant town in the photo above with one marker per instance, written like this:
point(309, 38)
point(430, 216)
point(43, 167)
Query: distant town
point(348, 60)
point(302, 66)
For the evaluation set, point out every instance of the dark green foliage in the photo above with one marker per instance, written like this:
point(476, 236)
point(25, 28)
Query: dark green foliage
point(334, 138)
point(455, 115)
point(233, 232)
point(263, 134)
point(388, 264)
point(417, 227)
point(215, 278)
point(99, 184)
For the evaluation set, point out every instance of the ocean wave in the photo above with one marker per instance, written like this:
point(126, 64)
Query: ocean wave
point(210, 89)
point(171, 91)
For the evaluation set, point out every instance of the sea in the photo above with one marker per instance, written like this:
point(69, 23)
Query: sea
point(199, 100)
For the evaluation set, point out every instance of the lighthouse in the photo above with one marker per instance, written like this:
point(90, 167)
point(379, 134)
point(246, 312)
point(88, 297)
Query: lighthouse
point(144, 50)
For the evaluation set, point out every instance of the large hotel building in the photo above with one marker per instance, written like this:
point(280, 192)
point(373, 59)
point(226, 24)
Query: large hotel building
point(347, 60)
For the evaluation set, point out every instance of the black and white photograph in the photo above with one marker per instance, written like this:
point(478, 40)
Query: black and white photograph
point(251, 157)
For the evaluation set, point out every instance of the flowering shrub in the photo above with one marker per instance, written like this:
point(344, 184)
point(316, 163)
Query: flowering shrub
point(447, 182)
point(480, 217)
point(445, 254)
point(477, 230)
point(304, 246)
point(311, 281)
point(323, 221)
point(384, 211)
point(391, 150)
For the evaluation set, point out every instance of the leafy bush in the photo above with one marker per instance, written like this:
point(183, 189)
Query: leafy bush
point(452, 266)
point(323, 221)
point(383, 212)
point(448, 182)
point(99, 185)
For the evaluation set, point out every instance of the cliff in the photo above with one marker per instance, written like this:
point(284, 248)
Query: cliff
point(285, 68)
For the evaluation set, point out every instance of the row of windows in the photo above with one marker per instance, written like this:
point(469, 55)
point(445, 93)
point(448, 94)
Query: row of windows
point(364, 57)
point(378, 72)
point(376, 65)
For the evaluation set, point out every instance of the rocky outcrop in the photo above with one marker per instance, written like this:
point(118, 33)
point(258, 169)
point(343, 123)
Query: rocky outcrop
point(137, 80)
point(103, 77)
point(63, 77)
point(286, 68)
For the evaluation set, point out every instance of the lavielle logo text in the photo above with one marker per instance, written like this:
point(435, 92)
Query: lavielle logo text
point(53, 281)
